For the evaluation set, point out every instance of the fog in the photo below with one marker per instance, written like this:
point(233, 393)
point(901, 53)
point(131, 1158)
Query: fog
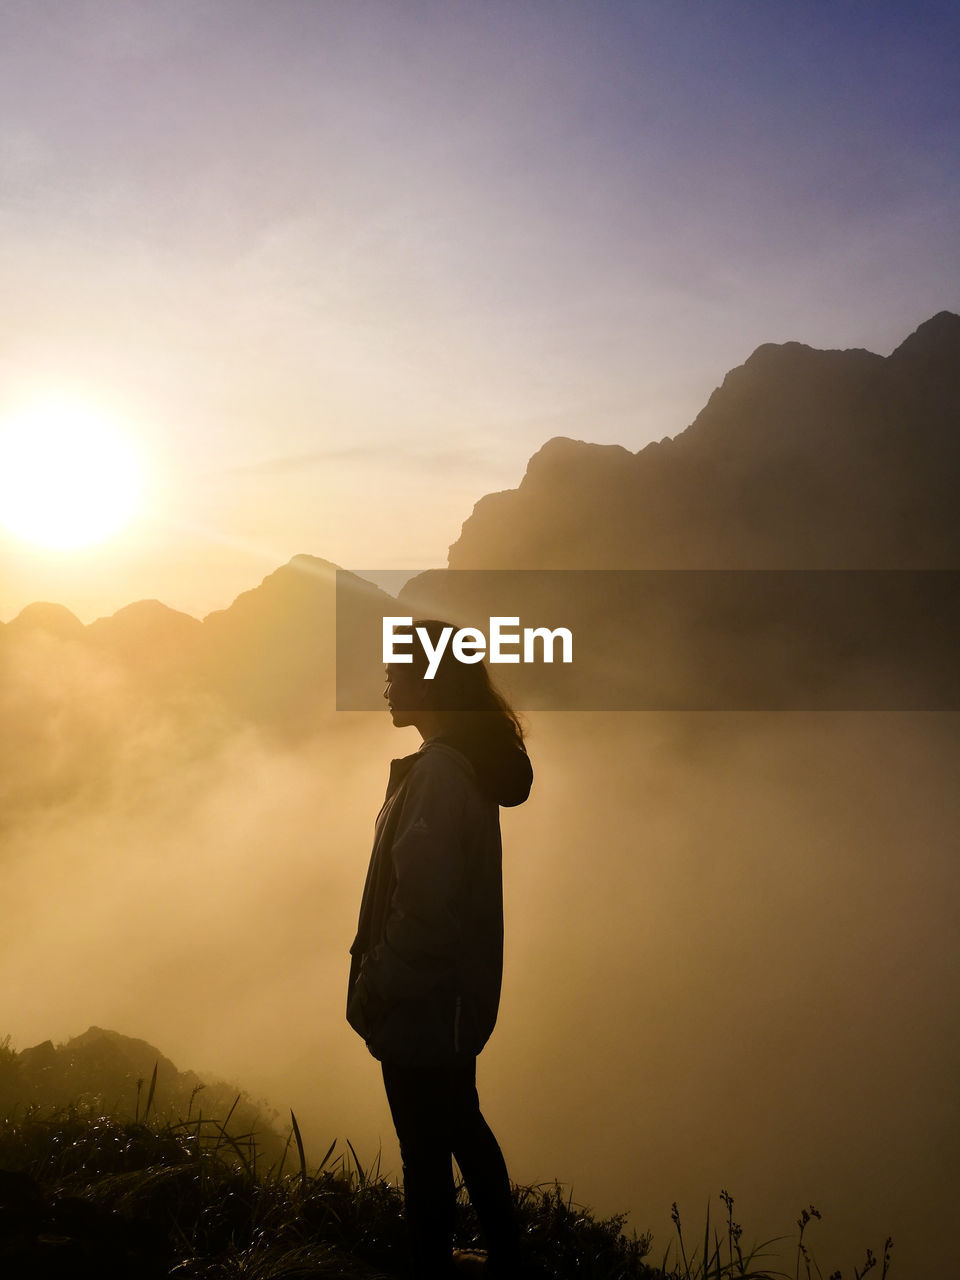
point(731, 947)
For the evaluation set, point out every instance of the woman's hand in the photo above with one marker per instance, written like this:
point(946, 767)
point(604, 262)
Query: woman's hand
point(364, 1008)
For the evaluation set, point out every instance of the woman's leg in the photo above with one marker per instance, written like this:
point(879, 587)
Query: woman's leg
point(436, 1113)
point(484, 1171)
point(421, 1103)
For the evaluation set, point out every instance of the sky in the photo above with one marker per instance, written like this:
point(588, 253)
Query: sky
point(336, 270)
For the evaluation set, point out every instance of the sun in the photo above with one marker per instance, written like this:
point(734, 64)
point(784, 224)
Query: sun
point(68, 478)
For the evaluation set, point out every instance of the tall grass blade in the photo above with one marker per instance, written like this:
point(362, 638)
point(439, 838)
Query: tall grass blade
point(231, 1111)
point(303, 1158)
point(152, 1091)
point(278, 1165)
point(706, 1243)
point(663, 1265)
point(361, 1176)
point(327, 1156)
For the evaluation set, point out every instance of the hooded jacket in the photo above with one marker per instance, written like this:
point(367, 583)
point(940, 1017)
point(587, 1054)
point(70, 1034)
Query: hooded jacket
point(427, 961)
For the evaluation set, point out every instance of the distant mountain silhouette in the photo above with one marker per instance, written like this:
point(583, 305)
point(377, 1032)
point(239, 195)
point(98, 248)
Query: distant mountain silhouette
point(269, 657)
point(99, 1063)
point(49, 619)
point(106, 1069)
point(801, 459)
point(146, 623)
point(269, 654)
point(150, 640)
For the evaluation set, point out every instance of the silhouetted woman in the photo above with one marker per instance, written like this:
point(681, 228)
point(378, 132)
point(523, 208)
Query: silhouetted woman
point(428, 956)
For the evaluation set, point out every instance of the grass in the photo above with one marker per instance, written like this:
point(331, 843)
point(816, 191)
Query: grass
point(115, 1198)
point(721, 1256)
point(189, 1199)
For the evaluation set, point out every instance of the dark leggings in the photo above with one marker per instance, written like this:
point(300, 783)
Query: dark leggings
point(436, 1113)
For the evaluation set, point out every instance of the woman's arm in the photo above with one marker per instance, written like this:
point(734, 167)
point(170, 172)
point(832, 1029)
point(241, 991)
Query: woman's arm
point(419, 947)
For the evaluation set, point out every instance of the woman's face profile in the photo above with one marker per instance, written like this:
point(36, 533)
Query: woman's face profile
point(403, 694)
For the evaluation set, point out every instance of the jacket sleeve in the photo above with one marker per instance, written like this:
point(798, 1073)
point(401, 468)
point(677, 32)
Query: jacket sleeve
point(421, 932)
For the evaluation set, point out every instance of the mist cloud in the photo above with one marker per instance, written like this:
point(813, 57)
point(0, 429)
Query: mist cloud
point(730, 938)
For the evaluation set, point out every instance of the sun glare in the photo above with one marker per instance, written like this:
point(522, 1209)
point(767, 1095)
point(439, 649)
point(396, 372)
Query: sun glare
point(67, 478)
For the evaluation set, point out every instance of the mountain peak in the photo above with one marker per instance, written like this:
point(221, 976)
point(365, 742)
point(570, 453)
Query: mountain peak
point(563, 456)
point(803, 458)
point(934, 339)
point(780, 360)
point(311, 564)
point(144, 614)
point(56, 619)
point(302, 574)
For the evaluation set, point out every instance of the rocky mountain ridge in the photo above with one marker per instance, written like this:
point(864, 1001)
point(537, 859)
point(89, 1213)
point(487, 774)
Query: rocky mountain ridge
point(801, 459)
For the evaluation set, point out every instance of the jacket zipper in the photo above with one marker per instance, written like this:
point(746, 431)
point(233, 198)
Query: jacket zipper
point(456, 1026)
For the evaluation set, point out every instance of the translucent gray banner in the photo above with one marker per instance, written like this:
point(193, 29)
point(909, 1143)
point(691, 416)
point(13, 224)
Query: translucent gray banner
point(664, 640)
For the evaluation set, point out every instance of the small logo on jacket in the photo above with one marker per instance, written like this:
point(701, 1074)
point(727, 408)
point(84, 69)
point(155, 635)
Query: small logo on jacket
point(420, 825)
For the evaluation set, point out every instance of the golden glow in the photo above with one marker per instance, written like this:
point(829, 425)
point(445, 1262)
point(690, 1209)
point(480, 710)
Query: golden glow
point(67, 478)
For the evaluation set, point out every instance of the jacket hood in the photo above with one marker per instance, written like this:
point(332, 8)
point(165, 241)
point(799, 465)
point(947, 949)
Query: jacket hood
point(503, 770)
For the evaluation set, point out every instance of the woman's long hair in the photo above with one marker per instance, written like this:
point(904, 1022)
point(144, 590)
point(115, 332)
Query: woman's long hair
point(470, 704)
point(476, 718)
